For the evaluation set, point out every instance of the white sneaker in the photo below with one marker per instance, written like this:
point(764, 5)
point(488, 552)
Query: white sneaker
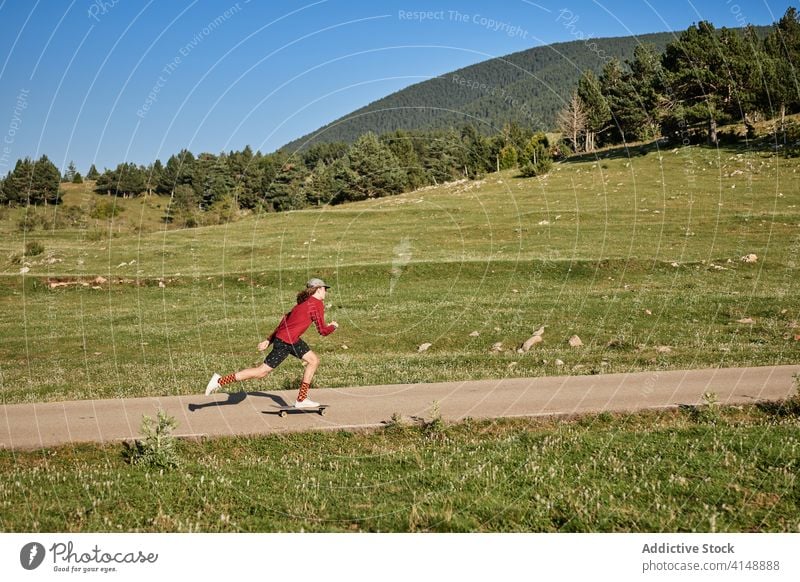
point(307, 403)
point(213, 384)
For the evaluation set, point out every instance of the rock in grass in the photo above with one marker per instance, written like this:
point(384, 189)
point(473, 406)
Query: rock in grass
point(751, 258)
point(575, 341)
point(746, 320)
point(559, 363)
point(474, 334)
point(424, 347)
point(497, 347)
point(530, 342)
point(663, 350)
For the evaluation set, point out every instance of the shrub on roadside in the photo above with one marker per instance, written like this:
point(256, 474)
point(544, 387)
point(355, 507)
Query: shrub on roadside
point(157, 450)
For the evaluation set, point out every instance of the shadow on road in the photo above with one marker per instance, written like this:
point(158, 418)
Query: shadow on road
point(237, 398)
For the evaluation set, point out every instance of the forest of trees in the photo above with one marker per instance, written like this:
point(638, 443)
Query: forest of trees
point(327, 173)
point(31, 182)
point(702, 80)
point(705, 79)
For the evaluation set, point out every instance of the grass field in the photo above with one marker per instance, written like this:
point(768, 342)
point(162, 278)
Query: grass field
point(637, 252)
point(731, 471)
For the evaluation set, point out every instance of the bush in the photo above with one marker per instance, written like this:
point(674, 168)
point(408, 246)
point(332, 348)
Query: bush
point(29, 222)
point(96, 235)
point(158, 448)
point(709, 411)
point(541, 167)
point(508, 158)
point(33, 248)
point(104, 209)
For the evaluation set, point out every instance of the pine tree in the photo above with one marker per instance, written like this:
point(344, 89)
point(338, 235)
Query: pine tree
point(92, 174)
point(598, 113)
point(401, 143)
point(781, 71)
point(155, 175)
point(211, 178)
point(69, 175)
point(286, 192)
point(476, 155)
point(634, 96)
point(647, 80)
point(246, 173)
point(694, 67)
point(440, 155)
point(45, 183)
point(18, 183)
point(507, 158)
point(127, 179)
point(517, 135)
point(178, 170)
point(326, 152)
point(376, 167)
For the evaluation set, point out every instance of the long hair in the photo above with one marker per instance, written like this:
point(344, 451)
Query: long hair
point(305, 294)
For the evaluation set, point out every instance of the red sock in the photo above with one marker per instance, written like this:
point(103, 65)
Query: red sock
point(229, 379)
point(303, 391)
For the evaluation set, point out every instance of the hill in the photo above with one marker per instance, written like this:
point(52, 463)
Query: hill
point(528, 87)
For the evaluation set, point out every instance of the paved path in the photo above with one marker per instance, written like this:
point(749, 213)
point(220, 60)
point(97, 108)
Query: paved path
point(31, 426)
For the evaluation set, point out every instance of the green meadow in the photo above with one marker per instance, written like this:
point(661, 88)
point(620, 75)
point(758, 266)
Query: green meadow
point(638, 252)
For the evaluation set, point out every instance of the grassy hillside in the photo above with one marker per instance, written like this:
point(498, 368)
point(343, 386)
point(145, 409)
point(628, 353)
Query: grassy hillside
point(637, 252)
point(82, 210)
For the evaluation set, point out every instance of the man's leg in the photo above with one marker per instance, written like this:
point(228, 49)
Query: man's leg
point(247, 374)
point(258, 372)
point(312, 362)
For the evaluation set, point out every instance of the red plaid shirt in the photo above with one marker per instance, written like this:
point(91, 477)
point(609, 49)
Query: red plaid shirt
point(296, 322)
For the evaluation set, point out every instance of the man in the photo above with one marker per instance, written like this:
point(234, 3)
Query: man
point(286, 340)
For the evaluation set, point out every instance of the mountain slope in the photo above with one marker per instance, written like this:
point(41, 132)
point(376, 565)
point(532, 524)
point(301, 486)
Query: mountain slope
point(528, 87)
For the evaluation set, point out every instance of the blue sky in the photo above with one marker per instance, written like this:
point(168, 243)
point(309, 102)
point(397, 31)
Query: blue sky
point(107, 81)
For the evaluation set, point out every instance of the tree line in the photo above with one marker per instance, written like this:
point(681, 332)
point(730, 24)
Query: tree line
point(706, 78)
point(325, 173)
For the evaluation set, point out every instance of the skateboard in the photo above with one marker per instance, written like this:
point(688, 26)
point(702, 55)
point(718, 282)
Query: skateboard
point(284, 410)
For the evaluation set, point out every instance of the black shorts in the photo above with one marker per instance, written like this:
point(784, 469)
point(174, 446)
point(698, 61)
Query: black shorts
point(280, 350)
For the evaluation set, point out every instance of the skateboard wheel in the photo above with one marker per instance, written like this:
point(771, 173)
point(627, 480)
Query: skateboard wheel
point(282, 413)
point(322, 412)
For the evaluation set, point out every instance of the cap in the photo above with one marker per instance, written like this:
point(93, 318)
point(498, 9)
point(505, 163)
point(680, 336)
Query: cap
point(317, 283)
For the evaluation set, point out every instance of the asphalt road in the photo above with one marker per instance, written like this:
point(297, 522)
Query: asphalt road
point(254, 412)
